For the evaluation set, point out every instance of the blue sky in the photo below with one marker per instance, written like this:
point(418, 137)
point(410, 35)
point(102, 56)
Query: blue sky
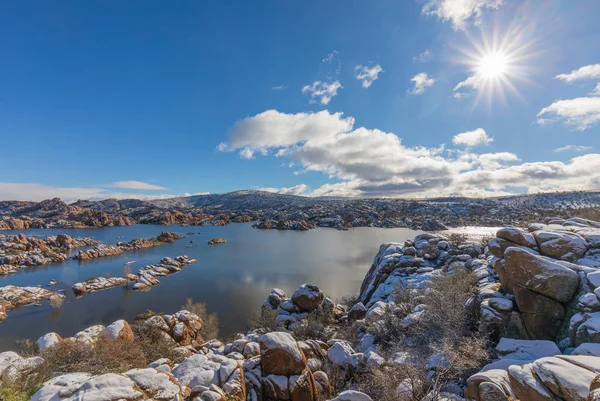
point(355, 98)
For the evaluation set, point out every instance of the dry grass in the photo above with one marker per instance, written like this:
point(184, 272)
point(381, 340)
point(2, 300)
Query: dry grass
point(210, 321)
point(104, 356)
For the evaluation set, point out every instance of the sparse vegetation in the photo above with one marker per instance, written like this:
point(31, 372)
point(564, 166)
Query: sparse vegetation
point(313, 326)
point(210, 321)
point(445, 329)
point(56, 301)
point(458, 239)
point(265, 321)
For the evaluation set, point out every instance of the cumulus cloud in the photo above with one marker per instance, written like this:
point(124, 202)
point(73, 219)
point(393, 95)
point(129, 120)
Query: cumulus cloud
point(136, 185)
point(580, 113)
point(371, 162)
point(423, 57)
point(272, 129)
point(459, 12)
point(299, 189)
point(596, 91)
point(472, 138)
point(421, 81)
point(323, 90)
point(367, 75)
point(573, 148)
point(38, 192)
point(586, 72)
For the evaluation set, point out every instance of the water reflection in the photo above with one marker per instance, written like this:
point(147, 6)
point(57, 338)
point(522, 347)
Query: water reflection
point(232, 279)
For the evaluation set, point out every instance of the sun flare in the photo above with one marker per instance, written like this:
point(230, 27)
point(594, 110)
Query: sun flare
point(500, 63)
point(493, 65)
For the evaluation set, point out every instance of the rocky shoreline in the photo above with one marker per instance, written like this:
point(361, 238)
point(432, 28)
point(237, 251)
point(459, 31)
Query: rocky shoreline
point(436, 319)
point(20, 251)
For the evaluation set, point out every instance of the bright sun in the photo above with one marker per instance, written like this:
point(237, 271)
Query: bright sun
point(493, 65)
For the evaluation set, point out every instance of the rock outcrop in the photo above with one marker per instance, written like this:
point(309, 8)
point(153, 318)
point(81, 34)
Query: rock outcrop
point(144, 280)
point(13, 297)
point(103, 250)
point(19, 251)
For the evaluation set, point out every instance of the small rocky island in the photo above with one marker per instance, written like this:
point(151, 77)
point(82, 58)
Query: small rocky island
point(513, 317)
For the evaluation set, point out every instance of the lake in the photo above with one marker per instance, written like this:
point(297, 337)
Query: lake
point(232, 279)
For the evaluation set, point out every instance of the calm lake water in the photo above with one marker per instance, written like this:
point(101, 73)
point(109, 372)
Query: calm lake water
point(232, 279)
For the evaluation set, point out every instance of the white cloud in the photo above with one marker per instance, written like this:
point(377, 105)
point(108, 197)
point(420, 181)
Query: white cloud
point(136, 185)
point(299, 189)
point(472, 138)
point(423, 57)
point(580, 113)
point(272, 129)
point(367, 74)
point(370, 162)
point(596, 91)
point(279, 87)
point(573, 148)
point(331, 57)
point(459, 12)
point(323, 90)
point(585, 72)
point(464, 88)
point(421, 81)
point(38, 192)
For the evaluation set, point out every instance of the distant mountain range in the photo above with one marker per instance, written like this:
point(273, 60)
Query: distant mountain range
point(296, 212)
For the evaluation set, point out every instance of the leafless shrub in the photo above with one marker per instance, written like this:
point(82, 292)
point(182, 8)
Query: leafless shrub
point(210, 321)
point(154, 344)
point(313, 326)
point(349, 300)
point(458, 239)
point(383, 384)
point(265, 321)
point(56, 301)
point(485, 240)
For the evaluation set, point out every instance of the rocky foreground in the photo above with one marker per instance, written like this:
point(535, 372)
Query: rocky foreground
point(437, 318)
point(289, 212)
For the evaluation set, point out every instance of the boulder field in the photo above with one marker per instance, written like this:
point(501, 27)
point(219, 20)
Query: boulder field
point(533, 299)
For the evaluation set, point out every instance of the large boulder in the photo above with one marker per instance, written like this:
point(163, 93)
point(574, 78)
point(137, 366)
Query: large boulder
point(307, 297)
point(281, 355)
point(107, 387)
point(542, 316)
point(200, 372)
point(527, 386)
point(352, 395)
point(561, 244)
point(566, 378)
point(119, 330)
point(541, 275)
point(517, 236)
point(47, 340)
point(527, 350)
